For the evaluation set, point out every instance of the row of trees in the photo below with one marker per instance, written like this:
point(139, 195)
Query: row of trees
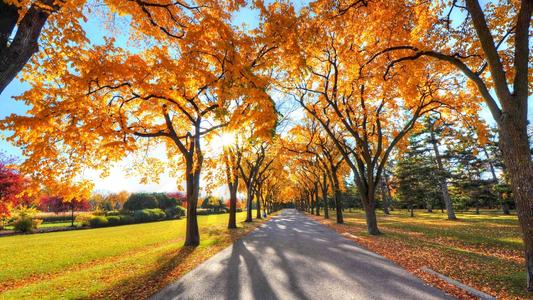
point(199, 76)
point(365, 71)
point(369, 80)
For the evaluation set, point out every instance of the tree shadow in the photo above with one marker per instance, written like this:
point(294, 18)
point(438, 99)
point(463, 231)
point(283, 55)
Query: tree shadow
point(144, 285)
point(296, 258)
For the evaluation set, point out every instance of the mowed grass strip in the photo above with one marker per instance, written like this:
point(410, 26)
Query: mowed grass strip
point(484, 251)
point(107, 262)
point(49, 225)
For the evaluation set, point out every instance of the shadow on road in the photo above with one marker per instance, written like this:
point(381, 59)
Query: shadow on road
point(293, 257)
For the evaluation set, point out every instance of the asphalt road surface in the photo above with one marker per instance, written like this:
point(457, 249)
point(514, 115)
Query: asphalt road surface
point(293, 257)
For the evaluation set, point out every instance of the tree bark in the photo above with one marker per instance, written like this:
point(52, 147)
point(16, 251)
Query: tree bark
point(14, 55)
point(442, 180)
point(232, 222)
point(369, 205)
point(192, 236)
point(515, 149)
point(72, 214)
point(317, 202)
point(391, 208)
point(338, 206)
point(384, 198)
point(338, 197)
point(249, 203)
point(258, 197)
point(325, 195)
point(505, 207)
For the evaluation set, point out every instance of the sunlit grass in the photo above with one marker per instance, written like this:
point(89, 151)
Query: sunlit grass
point(81, 263)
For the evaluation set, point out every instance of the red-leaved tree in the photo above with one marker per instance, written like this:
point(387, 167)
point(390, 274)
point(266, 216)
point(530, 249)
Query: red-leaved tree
point(57, 204)
point(12, 187)
point(181, 197)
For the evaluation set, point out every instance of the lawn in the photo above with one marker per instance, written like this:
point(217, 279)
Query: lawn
point(112, 262)
point(484, 251)
point(49, 225)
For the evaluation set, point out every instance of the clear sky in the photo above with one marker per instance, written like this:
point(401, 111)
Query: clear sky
point(118, 180)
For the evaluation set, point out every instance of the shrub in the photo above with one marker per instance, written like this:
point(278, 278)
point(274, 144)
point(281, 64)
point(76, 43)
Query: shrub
point(214, 203)
point(140, 201)
point(114, 220)
point(98, 221)
point(204, 211)
point(83, 219)
point(25, 221)
point(112, 213)
point(164, 201)
point(182, 211)
point(125, 219)
point(238, 209)
point(176, 211)
point(147, 215)
point(57, 218)
point(141, 216)
point(26, 224)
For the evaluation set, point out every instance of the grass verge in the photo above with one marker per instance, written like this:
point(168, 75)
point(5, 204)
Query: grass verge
point(123, 262)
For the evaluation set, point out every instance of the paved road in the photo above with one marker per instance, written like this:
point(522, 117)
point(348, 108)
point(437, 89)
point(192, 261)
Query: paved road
point(293, 257)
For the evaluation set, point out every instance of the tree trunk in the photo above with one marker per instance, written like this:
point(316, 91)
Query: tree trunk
point(338, 206)
point(325, 195)
point(369, 205)
point(384, 198)
point(258, 197)
point(192, 236)
point(72, 215)
point(391, 208)
point(505, 208)
point(442, 180)
point(249, 202)
point(232, 222)
point(14, 55)
point(317, 203)
point(516, 154)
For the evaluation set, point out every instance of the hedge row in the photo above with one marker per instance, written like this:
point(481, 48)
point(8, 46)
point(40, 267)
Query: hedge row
point(56, 218)
point(146, 215)
point(138, 216)
point(207, 211)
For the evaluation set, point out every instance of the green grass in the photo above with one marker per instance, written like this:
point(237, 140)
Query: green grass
point(49, 225)
point(74, 264)
point(485, 250)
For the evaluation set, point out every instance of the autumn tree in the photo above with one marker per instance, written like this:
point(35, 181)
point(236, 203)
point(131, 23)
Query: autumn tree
point(112, 102)
point(330, 83)
point(489, 46)
point(232, 157)
point(253, 165)
point(14, 188)
point(311, 139)
point(57, 204)
point(44, 31)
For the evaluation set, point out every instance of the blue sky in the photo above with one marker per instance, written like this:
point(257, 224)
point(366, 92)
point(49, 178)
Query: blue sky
point(118, 180)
